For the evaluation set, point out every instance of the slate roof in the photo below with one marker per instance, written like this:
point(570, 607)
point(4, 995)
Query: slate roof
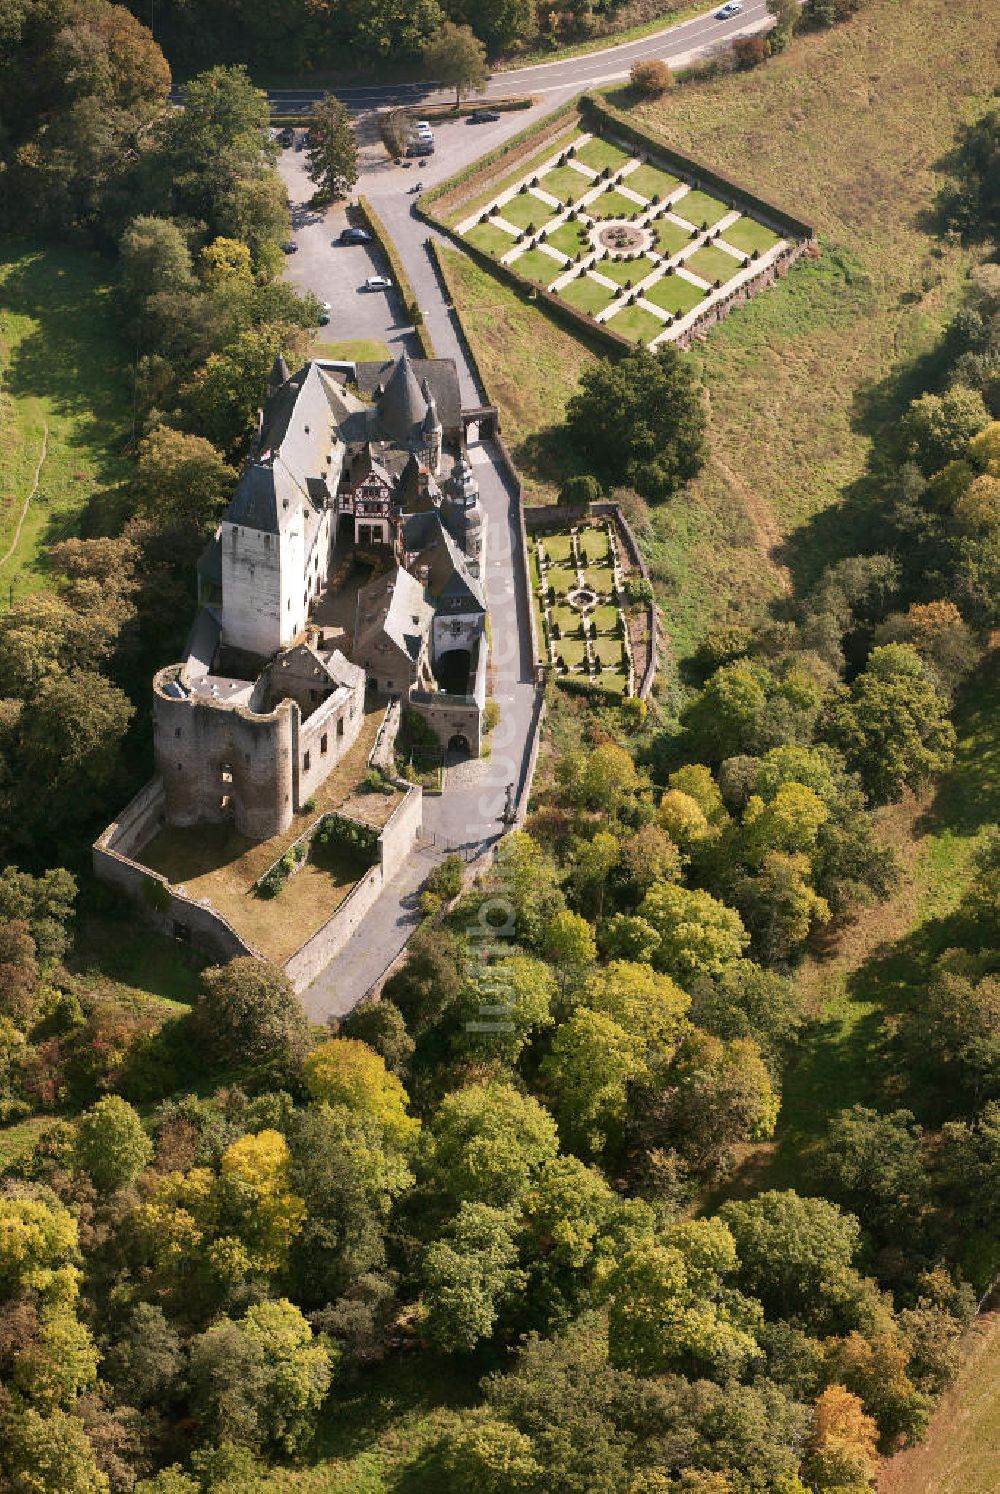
point(450, 584)
point(440, 376)
point(393, 605)
point(401, 405)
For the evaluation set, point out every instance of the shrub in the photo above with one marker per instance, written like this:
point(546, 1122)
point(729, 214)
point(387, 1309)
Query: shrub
point(750, 51)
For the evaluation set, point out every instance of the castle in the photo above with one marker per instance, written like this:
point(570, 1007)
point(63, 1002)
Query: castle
point(347, 565)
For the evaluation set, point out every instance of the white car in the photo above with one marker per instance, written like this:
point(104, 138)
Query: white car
point(422, 131)
point(378, 283)
point(730, 9)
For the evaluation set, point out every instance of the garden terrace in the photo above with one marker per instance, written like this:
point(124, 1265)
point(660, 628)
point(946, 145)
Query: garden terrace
point(571, 219)
point(212, 863)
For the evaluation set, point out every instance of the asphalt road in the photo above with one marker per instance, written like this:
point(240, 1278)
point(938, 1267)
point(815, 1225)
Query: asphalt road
point(676, 45)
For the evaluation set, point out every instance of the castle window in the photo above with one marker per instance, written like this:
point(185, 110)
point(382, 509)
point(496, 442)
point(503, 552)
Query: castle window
point(340, 726)
point(323, 743)
point(177, 731)
point(227, 773)
point(305, 762)
point(246, 758)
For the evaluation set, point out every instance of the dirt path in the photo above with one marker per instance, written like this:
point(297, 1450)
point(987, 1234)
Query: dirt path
point(27, 502)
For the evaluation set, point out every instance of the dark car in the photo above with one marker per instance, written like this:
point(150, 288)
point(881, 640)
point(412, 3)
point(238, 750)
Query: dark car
point(286, 136)
point(484, 116)
point(420, 148)
point(355, 236)
point(290, 247)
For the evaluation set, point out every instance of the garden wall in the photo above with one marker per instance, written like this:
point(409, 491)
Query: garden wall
point(160, 905)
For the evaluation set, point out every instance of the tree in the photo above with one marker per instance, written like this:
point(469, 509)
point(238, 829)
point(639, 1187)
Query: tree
point(145, 1360)
point(249, 1013)
point(794, 1253)
point(650, 78)
point(503, 1006)
point(640, 420)
point(222, 398)
point(873, 1165)
point(668, 1310)
point(647, 1005)
point(260, 1383)
point(971, 203)
point(111, 1144)
point(489, 1144)
point(786, 14)
point(843, 1449)
point(608, 775)
point(697, 934)
point(937, 428)
point(49, 1455)
point(456, 58)
point(526, 877)
point(429, 981)
point(346, 1072)
point(962, 1022)
point(256, 1200)
point(893, 727)
point(380, 1024)
point(153, 256)
point(181, 481)
point(568, 943)
point(747, 1001)
point(591, 1064)
point(332, 150)
point(467, 1274)
point(479, 1451)
point(70, 735)
point(682, 818)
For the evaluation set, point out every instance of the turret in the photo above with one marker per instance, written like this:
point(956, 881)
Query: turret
point(432, 431)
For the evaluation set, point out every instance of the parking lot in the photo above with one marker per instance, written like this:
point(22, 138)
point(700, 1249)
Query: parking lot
point(337, 272)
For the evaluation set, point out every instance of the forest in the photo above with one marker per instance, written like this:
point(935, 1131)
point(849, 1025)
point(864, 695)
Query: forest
point(519, 1174)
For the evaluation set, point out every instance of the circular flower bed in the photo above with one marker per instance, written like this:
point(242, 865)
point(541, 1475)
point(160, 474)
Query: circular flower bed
point(621, 237)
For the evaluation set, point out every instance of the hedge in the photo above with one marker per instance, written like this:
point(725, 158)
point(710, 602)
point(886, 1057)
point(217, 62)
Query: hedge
point(619, 124)
point(406, 290)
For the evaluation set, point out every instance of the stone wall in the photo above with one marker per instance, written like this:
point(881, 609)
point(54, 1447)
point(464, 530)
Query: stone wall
point(165, 909)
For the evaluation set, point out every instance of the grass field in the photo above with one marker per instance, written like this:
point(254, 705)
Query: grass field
point(531, 365)
point(535, 264)
point(621, 270)
point(612, 205)
point(570, 238)
point(747, 234)
point(700, 209)
point(64, 370)
point(845, 127)
point(598, 154)
point(525, 210)
point(566, 182)
point(489, 237)
point(354, 350)
point(635, 323)
point(587, 294)
point(674, 294)
point(670, 237)
point(712, 264)
point(651, 182)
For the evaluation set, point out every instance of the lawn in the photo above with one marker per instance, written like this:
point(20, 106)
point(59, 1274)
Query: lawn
point(621, 270)
point(670, 237)
point(747, 234)
point(700, 209)
point(610, 651)
point(800, 380)
point(489, 237)
point(531, 365)
point(525, 209)
point(568, 619)
point(558, 547)
point(587, 294)
point(214, 862)
point(674, 294)
point(566, 182)
point(597, 154)
point(570, 238)
point(606, 618)
point(353, 350)
point(612, 204)
point(651, 182)
point(536, 265)
point(63, 368)
point(635, 323)
point(573, 651)
point(594, 542)
point(563, 578)
point(712, 264)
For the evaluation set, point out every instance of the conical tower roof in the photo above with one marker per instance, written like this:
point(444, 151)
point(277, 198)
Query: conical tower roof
point(402, 405)
point(279, 374)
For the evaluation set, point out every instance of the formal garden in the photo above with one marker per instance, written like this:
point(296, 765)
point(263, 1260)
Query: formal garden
point(620, 238)
point(578, 577)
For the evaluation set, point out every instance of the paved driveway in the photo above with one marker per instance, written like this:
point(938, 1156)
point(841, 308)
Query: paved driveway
point(337, 272)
